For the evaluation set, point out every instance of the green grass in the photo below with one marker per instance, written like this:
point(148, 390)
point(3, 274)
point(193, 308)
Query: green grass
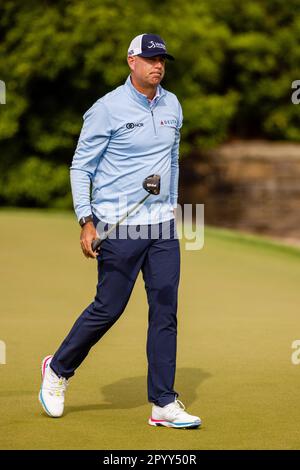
point(238, 316)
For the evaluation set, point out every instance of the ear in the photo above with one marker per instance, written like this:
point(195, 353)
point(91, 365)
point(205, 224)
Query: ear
point(131, 63)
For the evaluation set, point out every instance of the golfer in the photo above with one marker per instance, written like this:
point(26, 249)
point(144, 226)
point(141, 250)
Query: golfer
point(127, 135)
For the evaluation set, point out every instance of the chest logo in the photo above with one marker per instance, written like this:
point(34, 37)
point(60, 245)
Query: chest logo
point(168, 122)
point(132, 125)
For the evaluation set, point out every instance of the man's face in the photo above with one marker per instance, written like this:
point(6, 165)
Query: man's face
point(147, 70)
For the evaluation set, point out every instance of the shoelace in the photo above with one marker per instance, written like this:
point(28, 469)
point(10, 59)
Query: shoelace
point(180, 404)
point(176, 408)
point(59, 386)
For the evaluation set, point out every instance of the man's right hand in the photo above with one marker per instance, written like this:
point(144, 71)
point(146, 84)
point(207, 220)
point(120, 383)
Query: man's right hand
point(88, 234)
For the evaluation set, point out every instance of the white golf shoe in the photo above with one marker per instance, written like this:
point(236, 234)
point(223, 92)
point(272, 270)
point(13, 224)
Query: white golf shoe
point(52, 393)
point(173, 415)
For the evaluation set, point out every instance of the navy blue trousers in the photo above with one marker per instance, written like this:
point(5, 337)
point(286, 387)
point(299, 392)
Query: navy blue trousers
point(119, 262)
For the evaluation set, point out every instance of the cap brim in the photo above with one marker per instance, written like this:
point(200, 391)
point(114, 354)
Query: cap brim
point(154, 54)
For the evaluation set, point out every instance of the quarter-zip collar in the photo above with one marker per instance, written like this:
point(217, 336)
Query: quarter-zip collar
point(140, 97)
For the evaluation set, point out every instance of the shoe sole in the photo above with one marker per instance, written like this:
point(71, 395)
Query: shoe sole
point(168, 424)
point(40, 396)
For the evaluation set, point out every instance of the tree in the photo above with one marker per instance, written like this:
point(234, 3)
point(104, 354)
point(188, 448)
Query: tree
point(235, 65)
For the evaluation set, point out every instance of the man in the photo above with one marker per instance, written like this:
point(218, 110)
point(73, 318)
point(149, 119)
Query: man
point(128, 134)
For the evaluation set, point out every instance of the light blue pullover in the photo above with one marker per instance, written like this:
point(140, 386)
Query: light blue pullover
point(124, 139)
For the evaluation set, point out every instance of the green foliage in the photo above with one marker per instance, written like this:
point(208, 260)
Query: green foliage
point(235, 65)
point(263, 61)
point(37, 183)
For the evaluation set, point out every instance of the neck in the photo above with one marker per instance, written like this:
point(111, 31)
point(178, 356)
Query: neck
point(149, 91)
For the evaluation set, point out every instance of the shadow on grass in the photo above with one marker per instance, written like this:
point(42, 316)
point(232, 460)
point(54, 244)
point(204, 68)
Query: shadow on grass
point(132, 392)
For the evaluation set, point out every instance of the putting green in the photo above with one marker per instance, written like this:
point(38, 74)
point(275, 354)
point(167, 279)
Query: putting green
point(238, 316)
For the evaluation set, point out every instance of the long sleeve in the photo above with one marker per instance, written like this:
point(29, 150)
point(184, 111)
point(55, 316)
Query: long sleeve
point(174, 162)
point(92, 142)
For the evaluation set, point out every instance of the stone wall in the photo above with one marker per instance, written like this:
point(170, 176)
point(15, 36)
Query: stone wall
point(248, 185)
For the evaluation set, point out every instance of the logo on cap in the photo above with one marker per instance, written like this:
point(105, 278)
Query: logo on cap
point(156, 44)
